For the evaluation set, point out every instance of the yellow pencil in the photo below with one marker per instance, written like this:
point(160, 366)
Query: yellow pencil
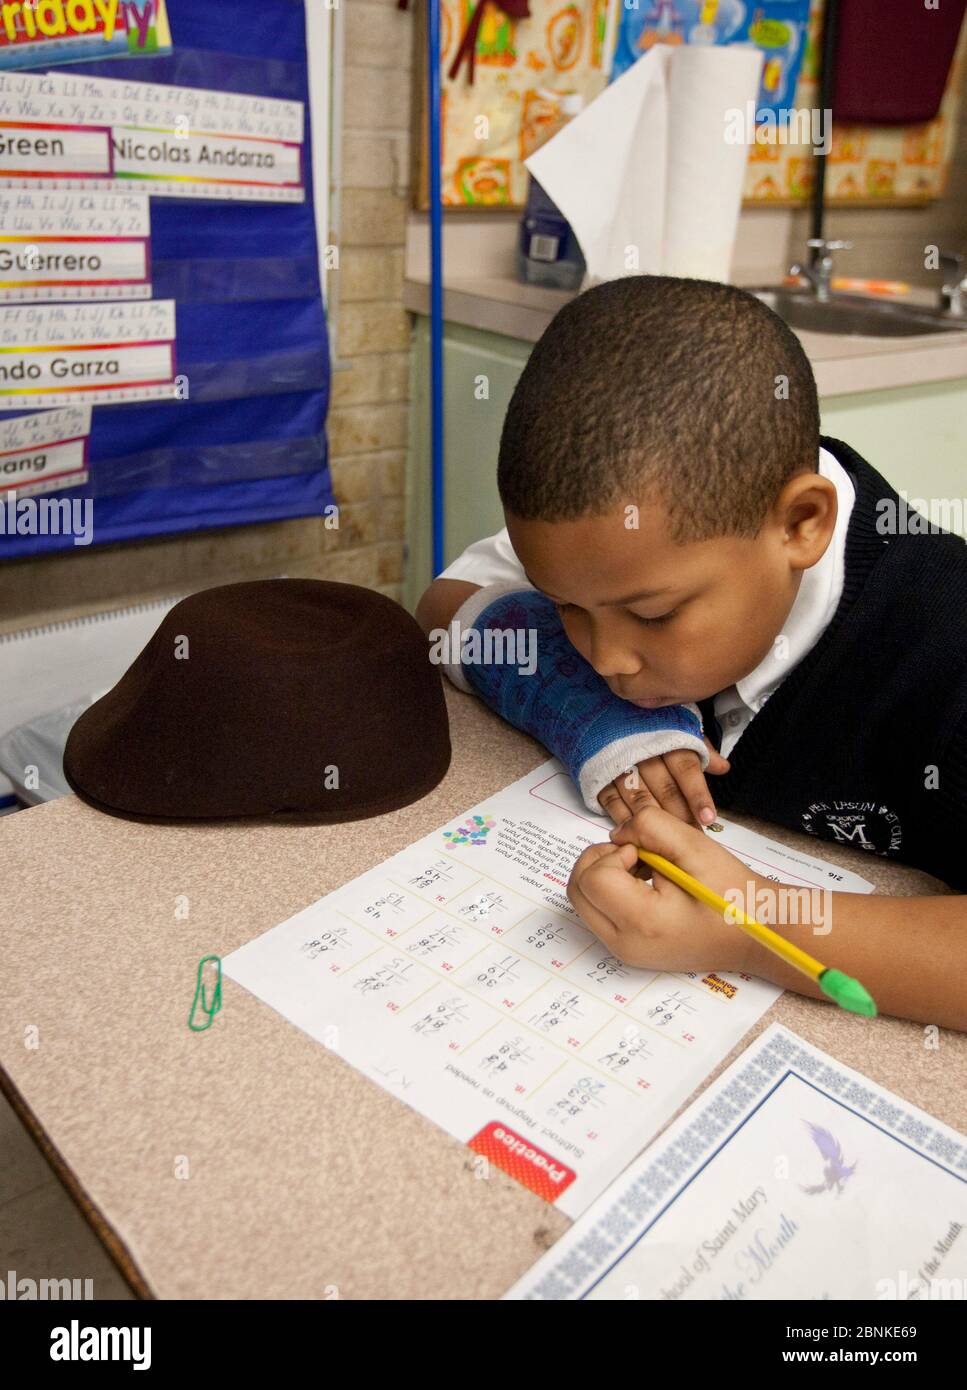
point(842, 989)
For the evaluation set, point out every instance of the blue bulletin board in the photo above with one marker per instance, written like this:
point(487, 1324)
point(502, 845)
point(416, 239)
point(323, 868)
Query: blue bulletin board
point(248, 444)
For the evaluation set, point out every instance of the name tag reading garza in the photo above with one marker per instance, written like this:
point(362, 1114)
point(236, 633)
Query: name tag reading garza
point(53, 355)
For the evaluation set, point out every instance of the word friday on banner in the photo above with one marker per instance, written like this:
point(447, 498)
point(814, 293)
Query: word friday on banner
point(458, 976)
point(35, 32)
point(69, 132)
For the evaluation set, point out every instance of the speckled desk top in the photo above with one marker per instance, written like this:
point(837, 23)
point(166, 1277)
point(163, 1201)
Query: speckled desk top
point(302, 1176)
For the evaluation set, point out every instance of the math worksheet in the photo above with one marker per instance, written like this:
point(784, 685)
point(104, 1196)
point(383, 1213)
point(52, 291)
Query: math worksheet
point(457, 975)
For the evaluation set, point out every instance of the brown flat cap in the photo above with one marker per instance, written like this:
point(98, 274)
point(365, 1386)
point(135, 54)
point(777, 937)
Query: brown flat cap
point(281, 696)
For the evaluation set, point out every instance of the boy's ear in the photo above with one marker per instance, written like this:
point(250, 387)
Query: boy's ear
point(806, 511)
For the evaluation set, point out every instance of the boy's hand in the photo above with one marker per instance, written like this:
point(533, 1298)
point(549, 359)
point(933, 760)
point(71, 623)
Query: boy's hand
point(654, 925)
point(674, 782)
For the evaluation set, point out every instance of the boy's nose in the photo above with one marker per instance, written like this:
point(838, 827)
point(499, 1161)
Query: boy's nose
point(610, 657)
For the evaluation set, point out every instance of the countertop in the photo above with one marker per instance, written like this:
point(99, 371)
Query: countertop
point(248, 1161)
point(843, 364)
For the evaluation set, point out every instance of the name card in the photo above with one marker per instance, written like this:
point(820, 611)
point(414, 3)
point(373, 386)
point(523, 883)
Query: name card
point(205, 165)
point(73, 246)
point(44, 452)
point(179, 141)
point(106, 353)
point(33, 152)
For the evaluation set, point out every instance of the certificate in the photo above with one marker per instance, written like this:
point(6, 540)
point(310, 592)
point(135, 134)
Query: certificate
point(791, 1177)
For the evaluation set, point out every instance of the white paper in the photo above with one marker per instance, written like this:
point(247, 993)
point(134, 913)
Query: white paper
point(43, 669)
point(792, 1177)
point(457, 975)
point(646, 175)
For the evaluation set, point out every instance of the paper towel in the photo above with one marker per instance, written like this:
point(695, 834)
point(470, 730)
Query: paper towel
point(650, 175)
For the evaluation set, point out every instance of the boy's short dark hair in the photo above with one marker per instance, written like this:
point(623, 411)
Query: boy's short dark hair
point(689, 387)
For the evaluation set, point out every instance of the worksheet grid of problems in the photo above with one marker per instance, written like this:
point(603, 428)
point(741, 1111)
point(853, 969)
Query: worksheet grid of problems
point(457, 975)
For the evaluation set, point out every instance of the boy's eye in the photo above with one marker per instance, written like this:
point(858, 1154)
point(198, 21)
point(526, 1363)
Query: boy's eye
point(648, 622)
point(654, 622)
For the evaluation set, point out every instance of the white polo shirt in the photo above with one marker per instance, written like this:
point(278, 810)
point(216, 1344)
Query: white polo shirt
point(493, 561)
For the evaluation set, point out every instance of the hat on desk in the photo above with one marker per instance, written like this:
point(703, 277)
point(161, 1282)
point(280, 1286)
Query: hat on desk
point(279, 696)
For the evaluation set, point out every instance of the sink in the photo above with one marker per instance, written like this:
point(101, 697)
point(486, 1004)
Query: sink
point(855, 314)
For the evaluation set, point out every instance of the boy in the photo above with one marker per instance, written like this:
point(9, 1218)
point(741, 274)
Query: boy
point(680, 538)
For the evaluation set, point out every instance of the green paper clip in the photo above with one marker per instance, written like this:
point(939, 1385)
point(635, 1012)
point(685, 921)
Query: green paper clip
point(210, 1010)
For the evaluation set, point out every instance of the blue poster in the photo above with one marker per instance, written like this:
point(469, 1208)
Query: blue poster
point(777, 27)
point(248, 443)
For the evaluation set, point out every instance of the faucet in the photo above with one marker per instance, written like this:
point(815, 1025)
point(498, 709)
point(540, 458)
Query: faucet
point(820, 272)
point(953, 292)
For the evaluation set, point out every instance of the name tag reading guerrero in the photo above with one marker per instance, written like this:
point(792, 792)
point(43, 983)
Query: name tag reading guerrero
point(63, 246)
point(53, 355)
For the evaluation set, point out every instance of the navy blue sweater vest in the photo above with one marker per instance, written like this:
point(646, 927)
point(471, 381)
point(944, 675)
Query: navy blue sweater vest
point(865, 741)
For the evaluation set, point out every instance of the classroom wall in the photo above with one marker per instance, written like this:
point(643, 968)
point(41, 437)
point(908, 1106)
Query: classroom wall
point(888, 241)
point(368, 420)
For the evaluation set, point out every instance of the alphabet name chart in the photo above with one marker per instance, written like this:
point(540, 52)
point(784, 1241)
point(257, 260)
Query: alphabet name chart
point(177, 142)
point(60, 354)
point(44, 452)
point(57, 245)
point(457, 976)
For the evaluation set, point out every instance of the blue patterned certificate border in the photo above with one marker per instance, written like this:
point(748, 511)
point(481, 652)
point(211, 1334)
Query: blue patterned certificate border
point(775, 1055)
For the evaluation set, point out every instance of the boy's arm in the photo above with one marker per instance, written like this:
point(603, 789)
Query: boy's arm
point(910, 953)
point(673, 780)
point(507, 645)
point(441, 600)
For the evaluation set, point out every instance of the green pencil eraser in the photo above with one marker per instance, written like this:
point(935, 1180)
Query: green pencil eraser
point(847, 993)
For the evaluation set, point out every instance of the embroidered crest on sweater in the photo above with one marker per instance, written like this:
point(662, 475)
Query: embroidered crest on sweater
point(866, 825)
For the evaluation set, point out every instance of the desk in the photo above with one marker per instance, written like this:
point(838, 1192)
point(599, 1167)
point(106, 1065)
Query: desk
point(303, 1176)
